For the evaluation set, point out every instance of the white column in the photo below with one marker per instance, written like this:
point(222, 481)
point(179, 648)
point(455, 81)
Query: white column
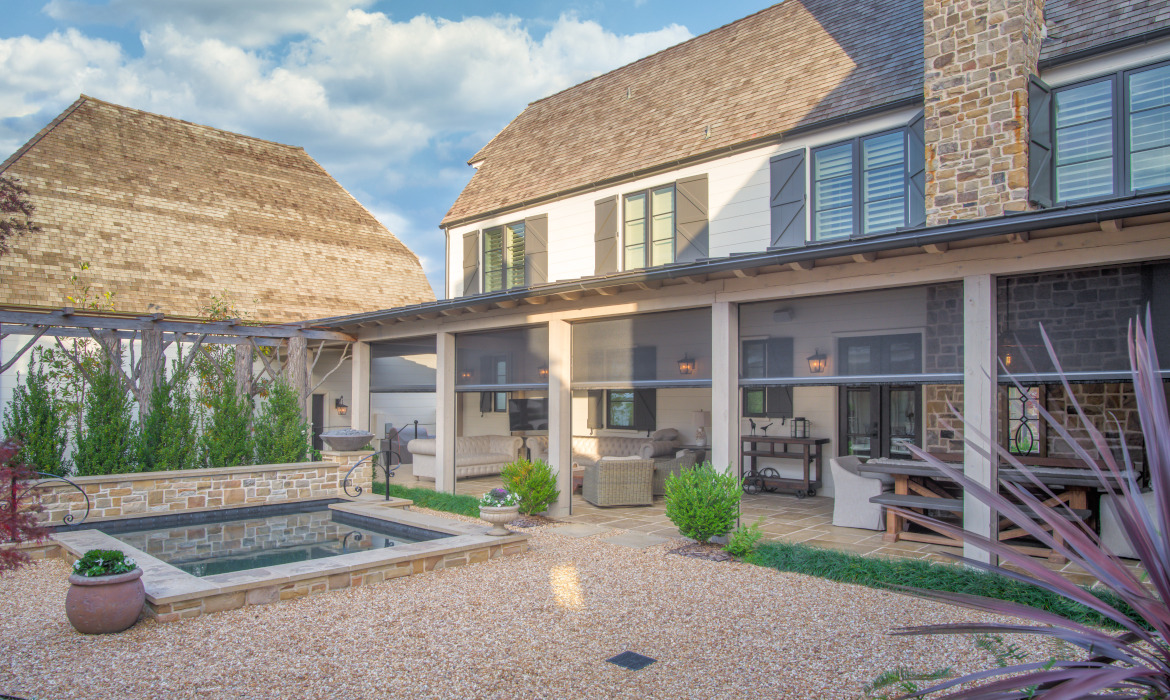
point(725, 386)
point(445, 401)
point(359, 387)
point(980, 380)
point(560, 415)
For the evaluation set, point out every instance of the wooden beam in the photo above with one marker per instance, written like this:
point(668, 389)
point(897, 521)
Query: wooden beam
point(695, 279)
point(608, 291)
point(508, 303)
point(537, 301)
point(648, 286)
point(1020, 237)
point(749, 272)
point(936, 248)
point(864, 257)
point(1112, 226)
point(62, 332)
point(457, 311)
point(804, 265)
point(570, 296)
point(68, 318)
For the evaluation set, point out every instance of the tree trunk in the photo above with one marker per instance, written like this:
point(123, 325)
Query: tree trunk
point(243, 367)
point(296, 370)
point(151, 368)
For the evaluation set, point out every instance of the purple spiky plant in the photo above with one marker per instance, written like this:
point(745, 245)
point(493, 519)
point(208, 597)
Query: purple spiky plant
point(1133, 662)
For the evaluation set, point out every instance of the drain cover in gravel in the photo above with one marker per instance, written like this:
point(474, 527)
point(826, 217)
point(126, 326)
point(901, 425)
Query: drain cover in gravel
point(631, 660)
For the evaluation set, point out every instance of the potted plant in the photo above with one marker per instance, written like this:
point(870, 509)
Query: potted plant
point(499, 507)
point(105, 592)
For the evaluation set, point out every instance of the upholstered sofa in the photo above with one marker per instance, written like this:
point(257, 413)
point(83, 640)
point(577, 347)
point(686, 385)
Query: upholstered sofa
point(589, 450)
point(475, 455)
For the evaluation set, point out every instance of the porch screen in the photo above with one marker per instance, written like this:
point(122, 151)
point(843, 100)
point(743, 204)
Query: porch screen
point(911, 334)
point(507, 360)
point(402, 365)
point(1086, 314)
point(668, 349)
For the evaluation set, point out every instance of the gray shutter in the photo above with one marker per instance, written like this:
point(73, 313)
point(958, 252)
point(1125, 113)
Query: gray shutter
point(596, 412)
point(536, 250)
point(645, 363)
point(1039, 143)
point(486, 401)
point(691, 227)
point(780, 361)
point(645, 409)
point(470, 263)
point(778, 403)
point(605, 242)
point(787, 193)
point(916, 171)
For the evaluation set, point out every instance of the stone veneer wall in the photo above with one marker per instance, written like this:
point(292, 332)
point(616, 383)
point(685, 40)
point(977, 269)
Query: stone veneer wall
point(978, 57)
point(146, 493)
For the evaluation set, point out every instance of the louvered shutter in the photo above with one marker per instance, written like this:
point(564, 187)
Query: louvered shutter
point(536, 250)
point(691, 227)
point(486, 399)
point(645, 409)
point(787, 193)
point(645, 363)
point(778, 400)
point(1039, 143)
point(471, 263)
point(596, 411)
point(605, 242)
point(916, 171)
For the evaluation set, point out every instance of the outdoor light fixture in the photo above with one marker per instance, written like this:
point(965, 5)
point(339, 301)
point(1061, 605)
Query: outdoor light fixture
point(542, 371)
point(339, 404)
point(817, 362)
point(686, 365)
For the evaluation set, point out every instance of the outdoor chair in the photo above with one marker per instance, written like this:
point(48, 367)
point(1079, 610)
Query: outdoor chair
point(851, 494)
point(620, 482)
point(1113, 538)
point(663, 468)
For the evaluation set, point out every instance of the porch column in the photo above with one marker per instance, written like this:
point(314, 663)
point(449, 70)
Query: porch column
point(359, 387)
point(980, 380)
point(445, 401)
point(725, 386)
point(560, 415)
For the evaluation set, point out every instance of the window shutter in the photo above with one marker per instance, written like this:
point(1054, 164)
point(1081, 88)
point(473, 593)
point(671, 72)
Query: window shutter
point(645, 363)
point(691, 226)
point(916, 171)
point(605, 231)
point(645, 409)
point(596, 412)
point(788, 200)
point(779, 357)
point(485, 401)
point(1039, 143)
point(471, 263)
point(779, 402)
point(536, 250)
point(487, 370)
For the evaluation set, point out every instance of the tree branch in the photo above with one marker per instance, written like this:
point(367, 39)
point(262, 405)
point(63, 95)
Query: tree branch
point(344, 356)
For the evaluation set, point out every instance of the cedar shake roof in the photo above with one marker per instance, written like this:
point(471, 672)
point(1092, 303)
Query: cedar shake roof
point(168, 213)
point(790, 66)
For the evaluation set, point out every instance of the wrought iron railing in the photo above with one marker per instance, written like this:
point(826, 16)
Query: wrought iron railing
point(42, 478)
point(393, 460)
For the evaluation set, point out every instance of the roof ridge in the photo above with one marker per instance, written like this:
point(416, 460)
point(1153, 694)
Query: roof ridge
point(11, 160)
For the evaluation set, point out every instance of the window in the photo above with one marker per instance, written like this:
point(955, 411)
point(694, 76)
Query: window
point(503, 257)
point(623, 409)
point(1111, 136)
point(619, 409)
point(881, 355)
point(860, 187)
point(493, 402)
point(767, 358)
point(1023, 431)
point(649, 219)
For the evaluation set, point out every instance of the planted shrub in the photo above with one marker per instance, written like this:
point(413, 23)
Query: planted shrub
point(227, 437)
point(702, 502)
point(744, 540)
point(282, 433)
point(35, 418)
point(107, 446)
point(534, 482)
point(103, 562)
point(18, 514)
point(168, 438)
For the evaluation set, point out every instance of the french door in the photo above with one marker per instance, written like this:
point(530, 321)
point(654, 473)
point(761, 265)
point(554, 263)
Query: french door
point(880, 421)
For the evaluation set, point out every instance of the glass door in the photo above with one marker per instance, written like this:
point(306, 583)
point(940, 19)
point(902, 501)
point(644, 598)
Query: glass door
point(861, 421)
point(880, 421)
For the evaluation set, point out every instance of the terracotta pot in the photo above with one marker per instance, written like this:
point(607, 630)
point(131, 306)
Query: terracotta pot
point(499, 516)
point(104, 604)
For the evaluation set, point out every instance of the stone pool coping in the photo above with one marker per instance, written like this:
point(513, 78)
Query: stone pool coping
point(173, 594)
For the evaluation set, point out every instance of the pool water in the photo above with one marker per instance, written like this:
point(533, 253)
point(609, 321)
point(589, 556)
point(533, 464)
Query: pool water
point(261, 539)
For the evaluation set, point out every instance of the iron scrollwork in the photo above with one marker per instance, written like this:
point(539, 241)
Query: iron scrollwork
point(43, 478)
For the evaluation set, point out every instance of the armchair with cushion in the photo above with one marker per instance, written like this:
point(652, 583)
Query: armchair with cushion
point(852, 491)
point(619, 482)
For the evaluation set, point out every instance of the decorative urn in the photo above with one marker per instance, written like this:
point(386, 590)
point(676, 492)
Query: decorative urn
point(104, 604)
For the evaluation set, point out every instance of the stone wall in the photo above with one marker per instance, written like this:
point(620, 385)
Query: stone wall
point(978, 57)
point(144, 493)
point(941, 429)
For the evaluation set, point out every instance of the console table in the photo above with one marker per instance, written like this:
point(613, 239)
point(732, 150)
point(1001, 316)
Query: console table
point(808, 450)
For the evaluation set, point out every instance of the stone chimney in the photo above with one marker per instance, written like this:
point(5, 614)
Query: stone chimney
point(979, 54)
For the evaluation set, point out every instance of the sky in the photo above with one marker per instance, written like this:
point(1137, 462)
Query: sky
point(392, 98)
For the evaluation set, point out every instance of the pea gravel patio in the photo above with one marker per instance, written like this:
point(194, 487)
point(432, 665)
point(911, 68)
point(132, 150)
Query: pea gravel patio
point(538, 625)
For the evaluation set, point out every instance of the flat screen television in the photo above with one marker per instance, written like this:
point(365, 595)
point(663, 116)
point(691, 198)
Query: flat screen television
point(527, 414)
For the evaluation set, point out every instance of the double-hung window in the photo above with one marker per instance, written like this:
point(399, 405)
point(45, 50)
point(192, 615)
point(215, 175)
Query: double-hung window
point(1111, 135)
point(503, 257)
point(649, 218)
point(860, 187)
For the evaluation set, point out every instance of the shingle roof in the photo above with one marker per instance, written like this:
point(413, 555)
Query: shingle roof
point(168, 213)
point(789, 66)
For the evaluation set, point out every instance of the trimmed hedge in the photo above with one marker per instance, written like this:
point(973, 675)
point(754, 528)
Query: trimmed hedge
point(426, 498)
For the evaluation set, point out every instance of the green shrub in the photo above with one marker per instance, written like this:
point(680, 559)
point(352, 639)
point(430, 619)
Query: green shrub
point(227, 438)
point(108, 444)
point(282, 433)
point(168, 438)
point(703, 502)
point(743, 541)
point(435, 500)
point(534, 482)
point(103, 562)
point(36, 419)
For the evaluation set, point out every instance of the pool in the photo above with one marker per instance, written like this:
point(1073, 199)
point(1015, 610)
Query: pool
point(207, 544)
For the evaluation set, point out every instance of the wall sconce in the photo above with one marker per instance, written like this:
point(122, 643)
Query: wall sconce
point(466, 375)
point(1007, 359)
point(542, 371)
point(686, 365)
point(817, 362)
point(339, 405)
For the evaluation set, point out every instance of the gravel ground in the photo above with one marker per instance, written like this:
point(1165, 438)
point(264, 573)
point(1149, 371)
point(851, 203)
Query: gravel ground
point(538, 625)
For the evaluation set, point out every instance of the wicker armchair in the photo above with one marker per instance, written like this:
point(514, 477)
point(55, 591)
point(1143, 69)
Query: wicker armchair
point(663, 468)
point(626, 482)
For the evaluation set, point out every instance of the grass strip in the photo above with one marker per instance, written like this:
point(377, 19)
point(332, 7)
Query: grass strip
point(881, 572)
point(435, 500)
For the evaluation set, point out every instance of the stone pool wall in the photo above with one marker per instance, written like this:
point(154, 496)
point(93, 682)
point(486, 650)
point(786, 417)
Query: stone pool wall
point(145, 493)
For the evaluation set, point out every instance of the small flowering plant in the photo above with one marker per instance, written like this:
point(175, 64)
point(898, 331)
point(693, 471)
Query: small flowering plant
point(103, 562)
point(499, 498)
